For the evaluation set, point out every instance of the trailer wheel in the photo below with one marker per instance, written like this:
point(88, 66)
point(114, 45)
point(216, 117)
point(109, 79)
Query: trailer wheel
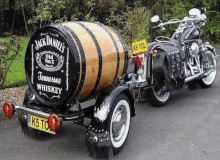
point(119, 122)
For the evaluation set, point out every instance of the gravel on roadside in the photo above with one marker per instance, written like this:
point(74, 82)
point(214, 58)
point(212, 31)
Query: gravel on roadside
point(12, 95)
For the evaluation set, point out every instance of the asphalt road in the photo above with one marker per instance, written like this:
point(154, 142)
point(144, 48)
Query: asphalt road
point(187, 128)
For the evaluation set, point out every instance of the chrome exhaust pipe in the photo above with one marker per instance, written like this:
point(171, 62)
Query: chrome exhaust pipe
point(188, 79)
point(199, 75)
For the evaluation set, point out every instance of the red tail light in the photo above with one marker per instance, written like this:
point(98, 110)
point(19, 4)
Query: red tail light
point(54, 122)
point(8, 110)
point(138, 61)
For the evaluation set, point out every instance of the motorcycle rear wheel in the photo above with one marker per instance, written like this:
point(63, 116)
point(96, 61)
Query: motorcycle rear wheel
point(158, 96)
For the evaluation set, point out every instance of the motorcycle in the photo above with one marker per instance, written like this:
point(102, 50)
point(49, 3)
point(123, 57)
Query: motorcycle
point(172, 63)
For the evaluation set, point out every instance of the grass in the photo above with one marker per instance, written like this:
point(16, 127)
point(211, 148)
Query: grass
point(16, 75)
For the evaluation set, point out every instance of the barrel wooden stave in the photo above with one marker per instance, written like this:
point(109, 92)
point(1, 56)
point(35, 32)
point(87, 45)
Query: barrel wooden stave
point(109, 56)
point(91, 57)
point(121, 52)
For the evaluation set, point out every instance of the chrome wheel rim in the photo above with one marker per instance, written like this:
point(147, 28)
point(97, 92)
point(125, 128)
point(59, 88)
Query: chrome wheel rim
point(120, 123)
point(161, 96)
point(208, 80)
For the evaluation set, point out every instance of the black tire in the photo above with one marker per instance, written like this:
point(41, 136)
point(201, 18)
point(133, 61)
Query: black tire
point(157, 100)
point(210, 60)
point(118, 123)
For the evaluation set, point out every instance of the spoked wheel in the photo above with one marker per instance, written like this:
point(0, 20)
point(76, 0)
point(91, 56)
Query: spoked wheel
point(210, 64)
point(159, 95)
point(119, 122)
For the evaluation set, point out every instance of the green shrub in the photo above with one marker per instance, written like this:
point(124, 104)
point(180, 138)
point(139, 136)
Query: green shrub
point(137, 25)
point(9, 50)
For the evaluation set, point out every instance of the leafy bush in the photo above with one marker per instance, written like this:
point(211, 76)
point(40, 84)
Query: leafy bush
point(9, 50)
point(137, 25)
point(46, 10)
point(14, 13)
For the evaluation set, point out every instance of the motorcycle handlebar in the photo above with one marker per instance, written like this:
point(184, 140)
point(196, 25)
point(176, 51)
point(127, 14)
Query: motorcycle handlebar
point(155, 27)
point(178, 21)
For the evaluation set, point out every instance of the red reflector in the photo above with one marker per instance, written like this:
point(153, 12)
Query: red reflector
point(138, 61)
point(8, 110)
point(54, 122)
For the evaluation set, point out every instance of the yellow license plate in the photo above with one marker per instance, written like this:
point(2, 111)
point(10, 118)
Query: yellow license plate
point(39, 123)
point(140, 47)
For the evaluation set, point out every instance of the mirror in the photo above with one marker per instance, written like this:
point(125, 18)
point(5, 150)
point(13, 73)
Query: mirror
point(203, 10)
point(155, 18)
point(204, 16)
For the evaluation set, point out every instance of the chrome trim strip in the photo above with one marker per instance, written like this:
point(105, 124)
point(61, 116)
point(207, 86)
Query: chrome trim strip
point(25, 109)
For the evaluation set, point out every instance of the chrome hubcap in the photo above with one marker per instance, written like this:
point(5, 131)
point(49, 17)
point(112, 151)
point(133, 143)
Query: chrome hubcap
point(119, 123)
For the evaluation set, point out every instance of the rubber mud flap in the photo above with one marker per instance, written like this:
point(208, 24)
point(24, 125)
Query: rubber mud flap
point(99, 144)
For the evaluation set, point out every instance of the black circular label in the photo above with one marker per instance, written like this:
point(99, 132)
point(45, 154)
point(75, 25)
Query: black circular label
point(48, 69)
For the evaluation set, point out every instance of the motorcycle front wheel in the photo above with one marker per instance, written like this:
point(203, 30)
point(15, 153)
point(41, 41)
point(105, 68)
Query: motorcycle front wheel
point(209, 62)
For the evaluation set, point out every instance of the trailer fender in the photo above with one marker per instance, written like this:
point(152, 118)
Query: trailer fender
point(106, 102)
point(98, 137)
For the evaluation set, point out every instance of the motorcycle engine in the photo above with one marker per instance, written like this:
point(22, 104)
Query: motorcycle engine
point(194, 49)
point(194, 62)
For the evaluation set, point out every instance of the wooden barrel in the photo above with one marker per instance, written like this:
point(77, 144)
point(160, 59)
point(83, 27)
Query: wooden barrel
point(73, 60)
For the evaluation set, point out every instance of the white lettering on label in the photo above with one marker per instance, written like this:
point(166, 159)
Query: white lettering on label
point(41, 77)
point(50, 89)
point(49, 59)
point(49, 62)
point(48, 41)
point(67, 70)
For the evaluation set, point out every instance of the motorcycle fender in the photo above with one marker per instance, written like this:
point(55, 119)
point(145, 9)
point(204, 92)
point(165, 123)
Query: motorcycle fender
point(159, 68)
point(102, 110)
point(210, 47)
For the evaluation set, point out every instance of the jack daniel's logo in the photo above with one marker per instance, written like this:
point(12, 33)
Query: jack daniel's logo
point(48, 41)
point(50, 65)
point(49, 61)
point(46, 59)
